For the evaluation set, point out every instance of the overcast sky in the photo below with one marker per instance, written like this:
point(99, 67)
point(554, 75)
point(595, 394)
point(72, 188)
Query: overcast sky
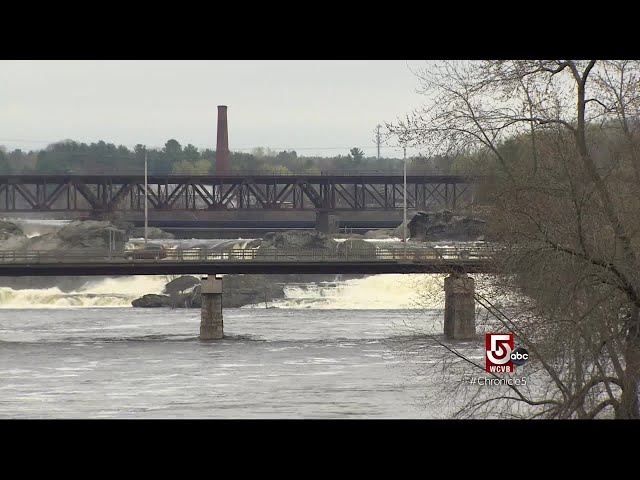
point(316, 107)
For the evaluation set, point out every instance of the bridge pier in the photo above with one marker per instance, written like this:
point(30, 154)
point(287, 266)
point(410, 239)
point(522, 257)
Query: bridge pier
point(211, 325)
point(326, 222)
point(459, 307)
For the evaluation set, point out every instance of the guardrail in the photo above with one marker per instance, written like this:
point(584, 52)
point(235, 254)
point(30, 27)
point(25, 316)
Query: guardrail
point(339, 254)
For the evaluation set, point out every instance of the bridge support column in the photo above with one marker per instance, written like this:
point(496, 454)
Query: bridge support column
point(459, 307)
point(326, 222)
point(211, 327)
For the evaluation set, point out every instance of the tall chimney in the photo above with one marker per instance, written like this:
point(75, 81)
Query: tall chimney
point(222, 147)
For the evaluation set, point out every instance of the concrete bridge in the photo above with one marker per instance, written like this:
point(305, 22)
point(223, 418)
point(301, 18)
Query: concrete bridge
point(213, 264)
point(373, 260)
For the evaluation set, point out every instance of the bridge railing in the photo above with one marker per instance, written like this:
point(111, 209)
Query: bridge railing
point(344, 254)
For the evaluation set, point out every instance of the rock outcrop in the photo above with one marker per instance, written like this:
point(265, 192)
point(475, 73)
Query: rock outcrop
point(181, 284)
point(9, 230)
point(11, 236)
point(152, 301)
point(239, 290)
point(444, 225)
point(74, 237)
point(80, 235)
point(295, 240)
point(277, 244)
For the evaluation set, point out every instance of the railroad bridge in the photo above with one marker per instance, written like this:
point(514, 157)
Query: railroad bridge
point(237, 190)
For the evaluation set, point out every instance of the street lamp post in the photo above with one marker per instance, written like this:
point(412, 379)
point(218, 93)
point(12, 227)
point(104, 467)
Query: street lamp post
point(146, 215)
point(378, 142)
point(404, 207)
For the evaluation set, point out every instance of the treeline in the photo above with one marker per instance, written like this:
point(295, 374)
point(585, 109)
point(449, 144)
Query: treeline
point(102, 157)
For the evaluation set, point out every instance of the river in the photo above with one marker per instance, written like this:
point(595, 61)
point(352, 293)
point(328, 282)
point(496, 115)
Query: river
point(317, 354)
point(340, 349)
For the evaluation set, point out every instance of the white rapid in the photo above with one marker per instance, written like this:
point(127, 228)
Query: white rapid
point(109, 292)
point(388, 291)
point(417, 291)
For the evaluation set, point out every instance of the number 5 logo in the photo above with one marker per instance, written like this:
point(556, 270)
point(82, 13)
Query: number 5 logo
point(502, 345)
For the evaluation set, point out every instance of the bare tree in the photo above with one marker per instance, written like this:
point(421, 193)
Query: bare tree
point(562, 141)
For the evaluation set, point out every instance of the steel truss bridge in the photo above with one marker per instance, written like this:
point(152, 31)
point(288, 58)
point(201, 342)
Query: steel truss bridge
point(331, 191)
point(373, 260)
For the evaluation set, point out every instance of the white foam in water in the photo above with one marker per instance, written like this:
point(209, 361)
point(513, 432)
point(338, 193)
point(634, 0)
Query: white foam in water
point(388, 291)
point(134, 286)
point(109, 292)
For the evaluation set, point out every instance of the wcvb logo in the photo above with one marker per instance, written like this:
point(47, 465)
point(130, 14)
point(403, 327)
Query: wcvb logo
point(500, 355)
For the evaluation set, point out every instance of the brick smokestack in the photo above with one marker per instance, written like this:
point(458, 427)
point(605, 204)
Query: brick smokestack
point(222, 146)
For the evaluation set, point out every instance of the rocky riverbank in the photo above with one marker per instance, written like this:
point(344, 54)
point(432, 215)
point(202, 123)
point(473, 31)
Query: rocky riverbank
point(445, 226)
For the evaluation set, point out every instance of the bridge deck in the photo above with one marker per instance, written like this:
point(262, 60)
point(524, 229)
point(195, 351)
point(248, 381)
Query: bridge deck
point(368, 261)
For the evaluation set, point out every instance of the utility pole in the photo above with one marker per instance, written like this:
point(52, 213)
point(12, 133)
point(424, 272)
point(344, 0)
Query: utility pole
point(146, 214)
